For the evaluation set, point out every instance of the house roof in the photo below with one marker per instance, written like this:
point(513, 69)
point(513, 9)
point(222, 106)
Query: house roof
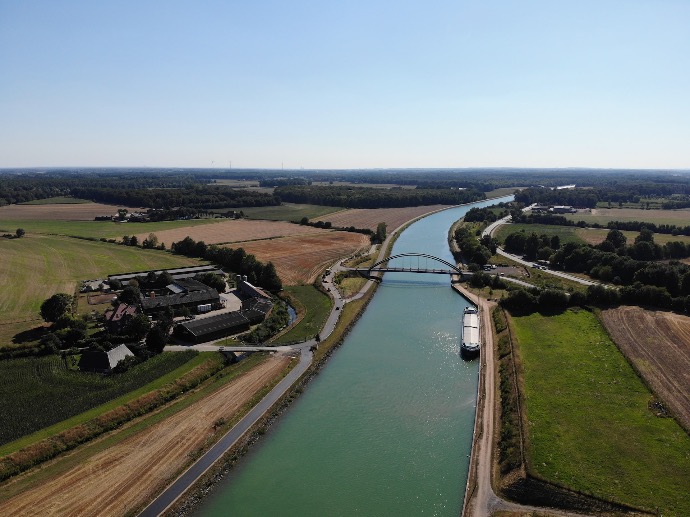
point(203, 326)
point(117, 354)
point(189, 285)
point(120, 312)
point(173, 300)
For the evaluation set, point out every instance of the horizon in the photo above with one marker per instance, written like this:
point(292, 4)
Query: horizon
point(450, 85)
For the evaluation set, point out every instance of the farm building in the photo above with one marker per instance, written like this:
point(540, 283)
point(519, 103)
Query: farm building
point(98, 361)
point(213, 327)
point(186, 285)
point(192, 300)
point(248, 289)
point(256, 309)
point(176, 273)
point(116, 318)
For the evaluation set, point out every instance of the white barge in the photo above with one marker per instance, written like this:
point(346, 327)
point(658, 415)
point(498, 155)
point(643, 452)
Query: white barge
point(470, 333)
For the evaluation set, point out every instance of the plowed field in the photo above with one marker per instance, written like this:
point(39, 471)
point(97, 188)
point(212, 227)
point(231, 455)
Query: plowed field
point(658, 344)
point(125, 476)
point(232, 231)
point(298, 259)
point(371, 217)
point(59, 212)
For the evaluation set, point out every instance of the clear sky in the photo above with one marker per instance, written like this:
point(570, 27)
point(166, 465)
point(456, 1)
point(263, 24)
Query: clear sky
point(352, 84)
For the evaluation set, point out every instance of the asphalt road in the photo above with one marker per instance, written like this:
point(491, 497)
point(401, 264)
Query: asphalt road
point(506, 220)
point(182, 483)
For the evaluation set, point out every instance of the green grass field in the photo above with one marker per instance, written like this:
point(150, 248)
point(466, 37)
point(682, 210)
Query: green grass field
point(37, 392)
point(565, 233)
point(589, 424)
point(289, 212)
point(317, 306)
point(37, 266)
point(95, 229)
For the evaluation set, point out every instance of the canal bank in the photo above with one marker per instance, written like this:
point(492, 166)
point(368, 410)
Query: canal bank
point(381, 435)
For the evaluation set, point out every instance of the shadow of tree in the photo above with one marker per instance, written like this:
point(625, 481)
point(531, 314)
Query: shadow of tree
point(33, 334)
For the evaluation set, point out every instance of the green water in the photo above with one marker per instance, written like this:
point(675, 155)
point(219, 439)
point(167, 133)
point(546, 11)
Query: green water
point(386, 427)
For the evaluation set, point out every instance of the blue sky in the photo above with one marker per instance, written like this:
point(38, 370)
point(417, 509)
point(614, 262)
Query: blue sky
point(357, 84)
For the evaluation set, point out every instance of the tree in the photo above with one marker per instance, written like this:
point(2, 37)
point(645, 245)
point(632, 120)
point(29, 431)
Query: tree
point(56, 306)
point(151, 241)
point(156, 339)
point(617, 238)
point(212, 280)
point(137, 326)
point(133, 241)
point(380, 235)
point(20, 233)
point(130, 295)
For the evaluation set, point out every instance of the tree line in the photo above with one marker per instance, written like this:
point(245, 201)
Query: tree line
point(678, 193)
point(366, 197)
point(198, 196)
point(236, 260)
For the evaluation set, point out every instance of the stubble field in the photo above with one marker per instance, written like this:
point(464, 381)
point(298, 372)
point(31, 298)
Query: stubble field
point(300, 258)
point(658, 344)
point(231, 231)
point(371, 217)
point(605, 215)
point(123, 477)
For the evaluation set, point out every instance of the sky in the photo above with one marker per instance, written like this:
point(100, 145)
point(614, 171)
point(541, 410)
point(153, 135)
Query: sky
point(355, 84)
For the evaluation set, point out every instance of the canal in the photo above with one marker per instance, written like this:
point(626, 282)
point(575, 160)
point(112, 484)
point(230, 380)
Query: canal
point(386, 427)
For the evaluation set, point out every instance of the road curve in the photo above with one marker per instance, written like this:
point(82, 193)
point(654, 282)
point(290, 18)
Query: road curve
point(489, 230)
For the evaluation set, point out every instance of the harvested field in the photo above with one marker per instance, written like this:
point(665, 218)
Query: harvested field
point(300, 258)
point(598, 235)
point(371, 217)
point(230, 231)
point(605, 215)
point(658, 344)
point(124, 477)
point(59, 212)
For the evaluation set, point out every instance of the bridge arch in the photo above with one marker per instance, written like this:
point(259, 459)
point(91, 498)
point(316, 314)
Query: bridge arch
point(376, 267)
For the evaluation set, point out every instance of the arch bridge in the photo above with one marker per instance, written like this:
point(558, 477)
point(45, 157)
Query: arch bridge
point(411, 263)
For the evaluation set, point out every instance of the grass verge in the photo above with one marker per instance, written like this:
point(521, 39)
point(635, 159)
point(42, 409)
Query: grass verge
point(316, 306)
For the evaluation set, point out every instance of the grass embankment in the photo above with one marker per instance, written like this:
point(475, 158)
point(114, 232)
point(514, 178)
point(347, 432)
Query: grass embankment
point(289, 212)
point(510, 454)
point(589, 424)
point(37, 266)
point(41, 398)
point(313, 307)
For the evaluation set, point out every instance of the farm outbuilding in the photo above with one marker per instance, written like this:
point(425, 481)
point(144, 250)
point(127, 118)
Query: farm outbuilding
point(191, 300)
point(213, 327)
point(98, 361)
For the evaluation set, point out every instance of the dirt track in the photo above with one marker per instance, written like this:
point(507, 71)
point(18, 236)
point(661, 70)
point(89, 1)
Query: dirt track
point(658, 344)
point(125, 476)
